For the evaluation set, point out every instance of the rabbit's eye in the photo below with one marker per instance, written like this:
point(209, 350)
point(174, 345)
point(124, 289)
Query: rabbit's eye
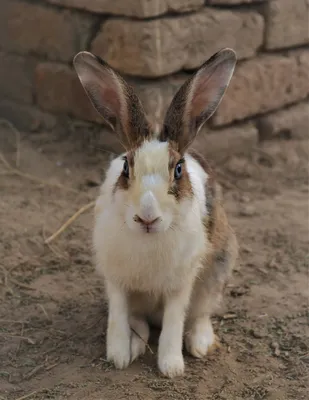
point(126, 169)
point(178, 171)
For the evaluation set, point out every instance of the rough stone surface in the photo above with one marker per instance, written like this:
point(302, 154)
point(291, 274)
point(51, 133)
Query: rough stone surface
point(40, 30)
point(16, 78)
point(59, 90)
point(160, 47)
point(156, 95)
point(287, 23)
point(94, 136)
point(292, 122)
point(226, 141)
point(26, 117)
point(264, 84)
point(132, 8)
point(229, 2)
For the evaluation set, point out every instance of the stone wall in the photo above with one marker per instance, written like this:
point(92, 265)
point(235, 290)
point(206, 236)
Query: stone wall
point(156, 44)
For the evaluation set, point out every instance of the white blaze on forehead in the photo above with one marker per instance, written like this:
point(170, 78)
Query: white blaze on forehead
point(150, 181)
point(151, 161)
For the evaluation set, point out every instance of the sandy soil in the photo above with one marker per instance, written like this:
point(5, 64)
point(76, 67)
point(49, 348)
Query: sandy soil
point(52, 314)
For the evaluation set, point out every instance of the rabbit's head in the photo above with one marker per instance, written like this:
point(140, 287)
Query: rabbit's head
point(153, 185)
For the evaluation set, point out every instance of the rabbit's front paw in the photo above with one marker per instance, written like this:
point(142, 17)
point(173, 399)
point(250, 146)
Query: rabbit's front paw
point(139, 337)
point(171, 365)
point(201, 339)
point(118, 349)
point(125, 345)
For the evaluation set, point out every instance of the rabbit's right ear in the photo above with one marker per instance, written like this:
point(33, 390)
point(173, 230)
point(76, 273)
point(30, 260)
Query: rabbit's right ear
point(197, 99)
point(113, 98)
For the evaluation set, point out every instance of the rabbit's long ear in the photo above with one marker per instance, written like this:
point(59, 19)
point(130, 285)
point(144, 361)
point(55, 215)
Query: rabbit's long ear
point(113, 98)
point(198, 99)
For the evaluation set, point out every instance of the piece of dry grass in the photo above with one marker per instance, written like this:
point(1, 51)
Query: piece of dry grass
point(25, 338)
point(20, 284)
point(146, 344)
point(34, 371)
point(12, 321)
point(69, 222)
point(26, 396)
point(17, 135)
point(16, 171)
point(53, 249)
point(72, 335)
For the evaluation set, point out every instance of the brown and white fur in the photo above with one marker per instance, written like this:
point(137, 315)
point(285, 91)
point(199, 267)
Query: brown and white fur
point(161, 238)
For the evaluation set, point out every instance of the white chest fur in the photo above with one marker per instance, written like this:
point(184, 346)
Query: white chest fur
point(147, 262)
point(155, 262)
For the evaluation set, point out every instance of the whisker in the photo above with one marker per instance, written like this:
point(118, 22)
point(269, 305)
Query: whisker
point(104, 150)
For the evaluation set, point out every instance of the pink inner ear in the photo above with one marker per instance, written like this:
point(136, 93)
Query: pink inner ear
point(200, 99)
point(207, 89)
point(103, 89)
point(110, 98)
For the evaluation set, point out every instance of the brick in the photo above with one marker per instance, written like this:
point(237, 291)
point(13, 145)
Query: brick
point(263, 85)
point(16, 78)
point(292, 122)
point(160, 47)
point(286, 23)
point(132, 8)
point(26, 117)
point(226, 141)
point(59, 90)
point(93, 136)
point(156, 95)
point(40, 30)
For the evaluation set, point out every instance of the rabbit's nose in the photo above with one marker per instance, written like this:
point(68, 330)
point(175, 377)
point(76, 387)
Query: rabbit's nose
point(144, 221)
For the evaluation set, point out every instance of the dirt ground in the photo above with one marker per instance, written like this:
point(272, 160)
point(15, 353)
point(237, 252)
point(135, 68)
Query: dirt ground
point(52, 314)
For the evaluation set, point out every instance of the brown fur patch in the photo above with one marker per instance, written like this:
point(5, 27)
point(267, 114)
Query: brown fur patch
point(174, 157)
point(180, 188)
point(123, 182)
point(136, 127)
point(222, 245)
point(130, 157)
point(216, 222)
point(211, 190)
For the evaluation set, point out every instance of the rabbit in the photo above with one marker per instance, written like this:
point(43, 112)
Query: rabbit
point(161, 238)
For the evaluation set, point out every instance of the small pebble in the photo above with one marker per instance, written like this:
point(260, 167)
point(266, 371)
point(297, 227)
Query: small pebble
point(246, 249)
point(239, 291)
point(247, 211)
point(258, 334)
point(275, 347)
point(245, 199)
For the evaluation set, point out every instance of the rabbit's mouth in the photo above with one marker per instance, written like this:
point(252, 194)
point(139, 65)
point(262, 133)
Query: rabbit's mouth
point(148, 226)
point(147, 220)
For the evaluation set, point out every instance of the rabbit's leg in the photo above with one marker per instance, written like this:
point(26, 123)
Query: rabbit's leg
point(170, 358)
point(200, 338)
point(118, 340)
point(199, 334)
point(207, 294)
point(139, 336)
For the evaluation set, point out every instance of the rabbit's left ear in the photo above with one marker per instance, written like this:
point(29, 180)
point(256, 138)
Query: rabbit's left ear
point(198, 99)
point(113, 98)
